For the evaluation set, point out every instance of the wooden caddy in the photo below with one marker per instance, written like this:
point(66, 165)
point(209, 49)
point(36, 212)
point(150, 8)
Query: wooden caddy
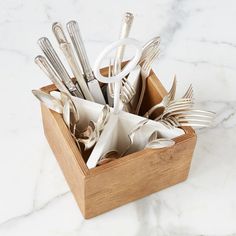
point(124, 180)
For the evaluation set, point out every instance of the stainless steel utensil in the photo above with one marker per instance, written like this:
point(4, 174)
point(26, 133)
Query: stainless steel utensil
point(127, 91)
point(156, 141)
point(49, 101)
point(148, 47)
point(193, 118)
point(132, 133)
point(70, 57)
point(145, 71)
point(125, 30)
point(160, 143)
point(89, 136)
point(51, 74)
point(78, 44)
point(165, 101)
point(103, 118)
point(52, 56)
point(189, 92)
point(181, 105)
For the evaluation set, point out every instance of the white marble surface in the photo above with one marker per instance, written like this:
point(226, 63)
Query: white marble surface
point(198, 44)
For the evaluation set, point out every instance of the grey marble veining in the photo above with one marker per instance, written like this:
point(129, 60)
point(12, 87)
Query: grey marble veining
point(198, 45)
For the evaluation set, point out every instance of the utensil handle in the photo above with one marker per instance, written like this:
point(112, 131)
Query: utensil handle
point(67, 50)
point(69, 55)
point(45, 66)
point(52, 56)
point(74, 32)
point(125, 30)
point(59, 33)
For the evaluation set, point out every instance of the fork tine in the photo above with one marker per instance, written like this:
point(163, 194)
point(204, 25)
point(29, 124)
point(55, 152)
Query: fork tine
point(166, 124)
point(192, 112)
point(172, 91)
point(178, 104)
point(194, 116)
point(194, 120)
point(152, 56)
point(189, 92)
point(183, 124)
point(180, 108)
point(196, 124)
point(181, 100)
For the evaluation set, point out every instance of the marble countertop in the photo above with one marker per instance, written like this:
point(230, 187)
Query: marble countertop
point(198, 45)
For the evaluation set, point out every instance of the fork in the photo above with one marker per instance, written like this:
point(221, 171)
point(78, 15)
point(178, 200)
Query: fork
point(165, 101)
point(180, 105)
point(191, 117)
point(148, 47)
point(189, 92)
point(127, 90)
point(145, 71)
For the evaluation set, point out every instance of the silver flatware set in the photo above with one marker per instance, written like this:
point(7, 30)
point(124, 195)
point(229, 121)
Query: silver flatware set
point(120, 91)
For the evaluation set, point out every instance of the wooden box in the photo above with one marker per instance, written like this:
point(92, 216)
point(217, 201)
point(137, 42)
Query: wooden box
point(124, 180)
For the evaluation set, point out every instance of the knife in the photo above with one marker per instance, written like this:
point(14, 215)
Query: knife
point(94, 87)
point(70, 57)
point(45, 66)
point(52, 56)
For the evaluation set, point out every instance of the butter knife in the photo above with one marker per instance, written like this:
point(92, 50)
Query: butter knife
point(94, 87)
point(46, 67)
point(52, 56)
point(70, 57)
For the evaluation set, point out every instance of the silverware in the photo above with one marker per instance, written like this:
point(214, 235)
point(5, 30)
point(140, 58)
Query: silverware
point(165, 101)
point(49, 101)
point(125, 30)
point(132, 133)
point(70, 57)
point(103, 118)
point(145, 71)
point(148, 47)
point(89, 136)
point(70, 113)
point(189, 92)
point(127, 91)
point(181, 105)
point(156, 141)
point(193, 118)
point(50, 73)
point(78, 44)
point(52, 56)
point(127, 94)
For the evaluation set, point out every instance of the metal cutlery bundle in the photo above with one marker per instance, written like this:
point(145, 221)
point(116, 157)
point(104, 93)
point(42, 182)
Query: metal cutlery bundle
point(103, 112)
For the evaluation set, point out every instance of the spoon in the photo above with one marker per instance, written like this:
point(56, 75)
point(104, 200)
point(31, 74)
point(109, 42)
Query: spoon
point(132, 133)
point(155, 141)
point(49, 101)
point(89, 136)
point(103, 118)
